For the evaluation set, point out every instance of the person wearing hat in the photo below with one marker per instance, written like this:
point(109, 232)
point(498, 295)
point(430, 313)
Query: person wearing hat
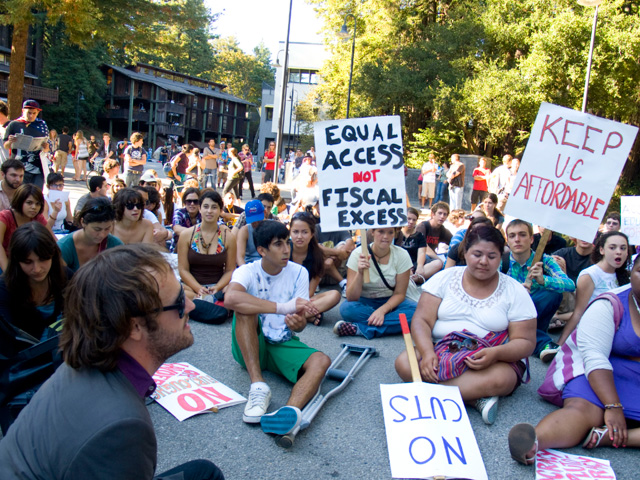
point(254, 212)
point(28, 124)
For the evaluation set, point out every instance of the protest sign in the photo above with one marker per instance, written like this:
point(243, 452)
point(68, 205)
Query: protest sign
point(360, 173)
point(428, 432)
point(186, 391)
point(569, 170)
point(630, 218)
point(555, 465)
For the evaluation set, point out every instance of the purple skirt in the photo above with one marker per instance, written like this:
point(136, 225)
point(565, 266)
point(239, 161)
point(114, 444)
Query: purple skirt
point(626, 376)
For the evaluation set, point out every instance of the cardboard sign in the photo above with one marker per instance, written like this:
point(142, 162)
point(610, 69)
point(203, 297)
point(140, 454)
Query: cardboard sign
point(630, 218)
point(428, 432)
point(555, 465)
point(186, 391)
point(569, 170)
point(360, 173)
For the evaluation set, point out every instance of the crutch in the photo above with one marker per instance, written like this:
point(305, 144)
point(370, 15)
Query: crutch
point(334, 373)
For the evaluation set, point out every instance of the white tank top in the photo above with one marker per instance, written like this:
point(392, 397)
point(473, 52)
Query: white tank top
point(602, 280)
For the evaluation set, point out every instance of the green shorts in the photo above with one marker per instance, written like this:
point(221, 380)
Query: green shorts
point(285, 358)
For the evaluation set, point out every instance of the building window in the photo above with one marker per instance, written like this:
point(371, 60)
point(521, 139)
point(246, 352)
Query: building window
point(268, 111)
point(303, 76)
point(4, 59)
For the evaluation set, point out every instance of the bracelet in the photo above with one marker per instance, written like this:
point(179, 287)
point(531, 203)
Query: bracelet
point(609, 406)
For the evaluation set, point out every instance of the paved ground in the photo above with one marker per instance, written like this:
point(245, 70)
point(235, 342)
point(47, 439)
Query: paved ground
point(347, 439)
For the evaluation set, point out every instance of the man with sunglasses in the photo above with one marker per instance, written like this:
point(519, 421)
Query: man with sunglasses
point(126, 313)
point(270, 298)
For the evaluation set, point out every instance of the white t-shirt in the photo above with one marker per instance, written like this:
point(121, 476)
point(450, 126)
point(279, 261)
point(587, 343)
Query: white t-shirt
point(459, 311)
point(399, 262)
point(602, 280)
point(292, 282)
point(147, 215)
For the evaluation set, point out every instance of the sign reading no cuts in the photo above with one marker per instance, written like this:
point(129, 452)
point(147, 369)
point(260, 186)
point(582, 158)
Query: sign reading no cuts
point(360, 173)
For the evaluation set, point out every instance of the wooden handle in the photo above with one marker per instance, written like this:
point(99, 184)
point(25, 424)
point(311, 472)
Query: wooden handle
point(364, 244)
point(411, 351)
point(539, 251)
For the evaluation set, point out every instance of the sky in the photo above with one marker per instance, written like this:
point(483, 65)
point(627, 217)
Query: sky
point(253, 21)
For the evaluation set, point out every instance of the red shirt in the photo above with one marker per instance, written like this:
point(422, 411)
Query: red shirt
point(480, 184)
point(270, 165)
point(6, 217)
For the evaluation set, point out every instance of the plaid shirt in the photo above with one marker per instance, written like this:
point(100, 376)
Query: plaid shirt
point(554, 278)
point(181, 217)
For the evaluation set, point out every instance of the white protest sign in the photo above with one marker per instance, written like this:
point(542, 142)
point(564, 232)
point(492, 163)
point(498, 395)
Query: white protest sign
point(360, 173)
point(428, 432)
point(630, 218)
point(186, 391)
point(555, 465)
point(569, 170)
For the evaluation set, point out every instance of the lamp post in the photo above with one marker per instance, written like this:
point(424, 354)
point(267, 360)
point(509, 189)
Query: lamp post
point(293, 90)
point(283, 98)
point(589, 3)
point(344, 33)
point(78, 100)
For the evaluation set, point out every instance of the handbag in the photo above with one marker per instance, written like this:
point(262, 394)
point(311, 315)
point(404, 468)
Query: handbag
point(568, 363)
point(413, 291)
point(456, 346)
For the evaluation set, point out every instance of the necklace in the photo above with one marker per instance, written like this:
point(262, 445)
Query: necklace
point(204, 243)
point(381, 257)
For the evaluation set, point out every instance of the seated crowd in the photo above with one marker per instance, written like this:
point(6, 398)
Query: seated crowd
point(478, 306)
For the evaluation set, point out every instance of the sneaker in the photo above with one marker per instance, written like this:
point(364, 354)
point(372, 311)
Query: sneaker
point(345, 329)
point(257, 403)
point(549, 351)
point(344, 290)
point(488, 408)
point(281, 422)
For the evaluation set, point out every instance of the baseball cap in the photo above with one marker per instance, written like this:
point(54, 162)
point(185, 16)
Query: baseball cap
point(254, 211)
point(31, 104)
point(148, 177)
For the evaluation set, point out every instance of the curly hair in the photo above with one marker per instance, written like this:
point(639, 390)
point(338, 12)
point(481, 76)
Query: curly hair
point(102, 299)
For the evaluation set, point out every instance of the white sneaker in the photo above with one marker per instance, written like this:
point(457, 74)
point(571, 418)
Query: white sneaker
point(488, 407)
point(257, 403)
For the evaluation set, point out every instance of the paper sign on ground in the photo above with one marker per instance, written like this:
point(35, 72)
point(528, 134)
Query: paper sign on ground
point(630, 218)
point(186, 391)
point(569, 170)
point(428, 432)
point(360, 173)
point(556, 465)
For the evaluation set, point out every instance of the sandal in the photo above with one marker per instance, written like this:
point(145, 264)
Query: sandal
point(522, 438)
point(317, 320)
point(600, 433)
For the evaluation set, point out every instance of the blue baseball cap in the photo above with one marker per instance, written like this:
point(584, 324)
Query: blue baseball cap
point(254, 211)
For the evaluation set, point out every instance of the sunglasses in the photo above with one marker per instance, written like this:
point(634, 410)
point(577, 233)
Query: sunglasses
point(179, 305)
point(191, 202)
point(468, 344)
point(131, 205)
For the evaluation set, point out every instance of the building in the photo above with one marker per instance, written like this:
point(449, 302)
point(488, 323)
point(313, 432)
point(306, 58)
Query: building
point(165, 105)
point(305, 61)
point(33, 88)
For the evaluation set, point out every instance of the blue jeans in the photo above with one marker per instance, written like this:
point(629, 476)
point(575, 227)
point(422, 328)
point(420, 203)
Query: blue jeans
point(547, 303)
point(440, 187)
point(455, 197)
point(360, 311)
point(210, 175)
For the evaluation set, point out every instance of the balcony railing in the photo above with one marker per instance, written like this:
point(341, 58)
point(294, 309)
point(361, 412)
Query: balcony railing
point(123, 114)
point(42, 94)
point(168, 129)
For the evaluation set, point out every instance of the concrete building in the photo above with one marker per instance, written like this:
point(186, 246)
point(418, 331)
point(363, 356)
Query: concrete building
point(305, 60)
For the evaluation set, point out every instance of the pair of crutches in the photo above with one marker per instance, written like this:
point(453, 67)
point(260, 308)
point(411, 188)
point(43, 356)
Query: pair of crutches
point(334, 373)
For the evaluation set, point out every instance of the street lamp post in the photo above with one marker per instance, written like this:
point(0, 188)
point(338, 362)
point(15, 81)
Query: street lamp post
point(344, 33)
point(283, 98)
point(589, 3)
point(293, 90)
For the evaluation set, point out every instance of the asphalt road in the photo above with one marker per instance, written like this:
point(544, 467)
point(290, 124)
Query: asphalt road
point(347, 438)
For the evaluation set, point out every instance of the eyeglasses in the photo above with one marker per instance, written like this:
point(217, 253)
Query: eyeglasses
point(57, 186)
point(468, 344)
point(131, 205)
point(179, 305)
point(191, 202)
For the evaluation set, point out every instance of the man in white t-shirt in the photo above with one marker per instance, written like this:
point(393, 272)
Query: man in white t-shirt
point(270, 298)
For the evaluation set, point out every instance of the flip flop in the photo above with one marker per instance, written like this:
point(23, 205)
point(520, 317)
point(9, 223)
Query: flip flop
point(317, 320)
point(522, 438)
point(600, 433)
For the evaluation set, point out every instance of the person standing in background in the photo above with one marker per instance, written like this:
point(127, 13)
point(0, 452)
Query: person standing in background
point(480, 185)
point(456, 182)
point(247, 161)
point(62, 151)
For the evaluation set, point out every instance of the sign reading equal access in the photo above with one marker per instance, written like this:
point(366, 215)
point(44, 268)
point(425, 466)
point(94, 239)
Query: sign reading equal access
point(569, 170)
point(361, 173)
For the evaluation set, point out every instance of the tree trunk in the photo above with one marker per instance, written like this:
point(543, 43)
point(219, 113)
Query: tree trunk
point(16, 72)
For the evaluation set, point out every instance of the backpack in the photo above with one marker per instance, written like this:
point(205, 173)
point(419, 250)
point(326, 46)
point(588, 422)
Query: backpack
point(568, 363)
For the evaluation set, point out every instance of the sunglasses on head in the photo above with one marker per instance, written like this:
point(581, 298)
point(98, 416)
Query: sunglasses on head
point(132, 205)
point(179, 305)
point(468, 344)
point(191, 202)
